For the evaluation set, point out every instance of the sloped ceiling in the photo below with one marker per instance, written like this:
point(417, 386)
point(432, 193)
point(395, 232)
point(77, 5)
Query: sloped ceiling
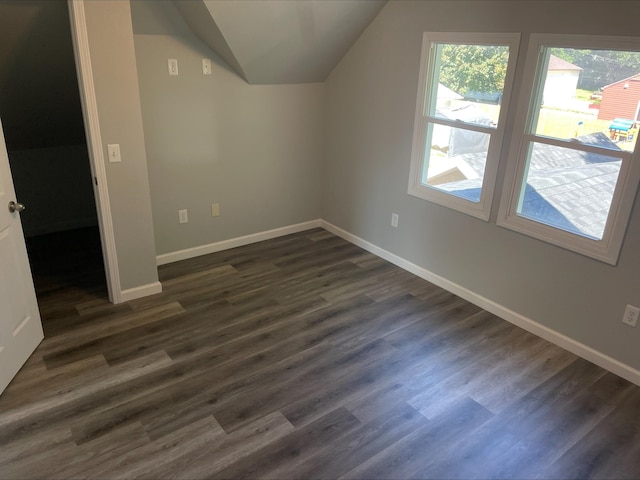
point(280, 41)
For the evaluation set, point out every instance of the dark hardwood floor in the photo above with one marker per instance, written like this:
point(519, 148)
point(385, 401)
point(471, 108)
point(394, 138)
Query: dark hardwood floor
point(300, 357)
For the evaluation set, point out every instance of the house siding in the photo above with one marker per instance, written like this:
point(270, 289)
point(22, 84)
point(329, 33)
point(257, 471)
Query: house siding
point(620, 102)
point(560, 87)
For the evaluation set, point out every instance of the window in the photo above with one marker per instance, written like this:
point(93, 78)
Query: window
point(571, 177)
point(465, 84)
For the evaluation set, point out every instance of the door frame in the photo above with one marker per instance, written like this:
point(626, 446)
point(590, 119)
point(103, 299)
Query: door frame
point(89, 103)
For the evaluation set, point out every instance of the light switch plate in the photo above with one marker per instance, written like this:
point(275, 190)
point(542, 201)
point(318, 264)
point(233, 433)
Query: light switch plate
point(173, 66)
point(113, 150)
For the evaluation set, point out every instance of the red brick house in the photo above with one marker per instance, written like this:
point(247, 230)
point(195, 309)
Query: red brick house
point(621, 99)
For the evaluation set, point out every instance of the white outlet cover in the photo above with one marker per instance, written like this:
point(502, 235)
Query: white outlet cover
point(631, 315)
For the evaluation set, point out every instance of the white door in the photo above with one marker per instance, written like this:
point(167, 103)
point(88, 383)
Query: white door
point(20, 326)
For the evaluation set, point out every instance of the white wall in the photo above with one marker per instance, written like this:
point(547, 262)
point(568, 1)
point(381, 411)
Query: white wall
point(255, 150)
point(118, 102)
point(370, 102)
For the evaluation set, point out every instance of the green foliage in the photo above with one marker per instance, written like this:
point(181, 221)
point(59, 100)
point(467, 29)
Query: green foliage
point(584, 95)
point(473, 68)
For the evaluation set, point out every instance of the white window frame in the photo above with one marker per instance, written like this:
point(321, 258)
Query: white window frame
point(426, 94)
point(608, 248)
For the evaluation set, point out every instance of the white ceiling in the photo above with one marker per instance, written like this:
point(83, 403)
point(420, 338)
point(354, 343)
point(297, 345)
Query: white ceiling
point(280, 41)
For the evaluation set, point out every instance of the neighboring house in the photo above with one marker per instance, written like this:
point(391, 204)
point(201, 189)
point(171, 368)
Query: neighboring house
point(561, 83)
point(445, 97)
point(621, 99)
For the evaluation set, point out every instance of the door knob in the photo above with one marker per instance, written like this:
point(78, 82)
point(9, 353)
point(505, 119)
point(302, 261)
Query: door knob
point(16, 207)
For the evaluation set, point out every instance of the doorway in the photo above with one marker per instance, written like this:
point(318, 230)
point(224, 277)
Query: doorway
point(44, 131)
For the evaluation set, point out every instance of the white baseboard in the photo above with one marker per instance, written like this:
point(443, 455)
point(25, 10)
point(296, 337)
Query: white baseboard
point(611, 364)
point(235, 242)
point(139, 292)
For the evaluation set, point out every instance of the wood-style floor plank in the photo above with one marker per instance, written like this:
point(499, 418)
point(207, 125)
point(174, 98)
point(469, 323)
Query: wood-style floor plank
point(404, 458)
point(298, 357)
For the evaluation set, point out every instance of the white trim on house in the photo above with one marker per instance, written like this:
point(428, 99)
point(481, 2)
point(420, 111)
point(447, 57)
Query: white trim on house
point(636, 76)
point(84, 70)
point(557, 338)
point(235, 242)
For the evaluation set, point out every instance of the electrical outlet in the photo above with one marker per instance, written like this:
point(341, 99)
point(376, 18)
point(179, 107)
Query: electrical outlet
point(182, 216)
point(394, 220)
point(630, 316)
point(215, 210)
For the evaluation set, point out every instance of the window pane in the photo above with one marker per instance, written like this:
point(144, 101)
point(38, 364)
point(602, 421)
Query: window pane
point(569, 189)
point(591, 96)
point(466, 80)
point(469, 75)
point(455, 161)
